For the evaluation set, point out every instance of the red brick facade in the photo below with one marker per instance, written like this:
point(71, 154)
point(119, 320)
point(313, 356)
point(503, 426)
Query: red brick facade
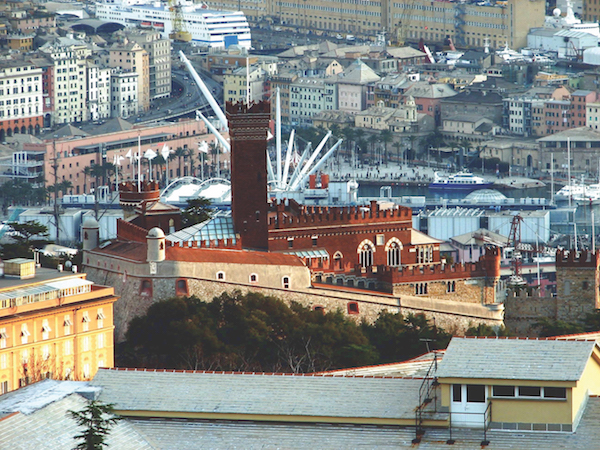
point(248, 132)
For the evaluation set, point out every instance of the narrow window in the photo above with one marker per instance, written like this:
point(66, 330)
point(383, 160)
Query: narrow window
point(286, 282)
point(146, 288)
point(220, 275)
point(457, 392)
point(353, 308)
point(315, 241)
point(253, 278)
point(181, 287)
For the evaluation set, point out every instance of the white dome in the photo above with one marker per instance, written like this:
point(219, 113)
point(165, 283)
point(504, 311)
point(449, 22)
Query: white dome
point(556, 12)
point(592, 56)
point(90, 222)
point(156, 233)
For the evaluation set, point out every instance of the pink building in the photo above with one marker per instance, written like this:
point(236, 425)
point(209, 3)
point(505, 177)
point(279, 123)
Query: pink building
point(74, 155)
point(579, 100)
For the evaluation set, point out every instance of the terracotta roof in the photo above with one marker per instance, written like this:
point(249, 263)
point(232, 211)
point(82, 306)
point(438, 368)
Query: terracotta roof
point(217, 255)
point(135, 251)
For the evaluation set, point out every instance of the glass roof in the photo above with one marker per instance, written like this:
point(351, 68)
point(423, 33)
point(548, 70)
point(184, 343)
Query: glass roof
point(486, 196)
point(219, 227)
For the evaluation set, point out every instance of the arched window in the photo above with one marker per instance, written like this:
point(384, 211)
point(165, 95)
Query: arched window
point(220, 275)
point(285, 281)
point(365, 253)
point(393, 251)
point(338, 263)
point(253, 278)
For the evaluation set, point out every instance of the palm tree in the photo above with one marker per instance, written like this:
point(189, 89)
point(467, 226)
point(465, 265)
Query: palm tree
point(179, 153)
point(87, 171)
point(190, 154)
point(373, 139)
point(108, 170)
point(386, 137)
point(158, 162)
point(397, 146)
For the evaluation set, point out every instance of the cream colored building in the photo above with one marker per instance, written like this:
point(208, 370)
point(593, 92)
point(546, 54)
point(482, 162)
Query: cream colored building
point(592, 115)
point(244, 83)
point(70, 82)
point(133, 58)
point(467, 24)
point(159, 61)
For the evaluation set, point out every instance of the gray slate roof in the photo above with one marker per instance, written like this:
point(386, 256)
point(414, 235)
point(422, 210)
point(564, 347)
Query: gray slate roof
point(215, 434)
point(41, 419)
point(269, 394)
point(515, 359)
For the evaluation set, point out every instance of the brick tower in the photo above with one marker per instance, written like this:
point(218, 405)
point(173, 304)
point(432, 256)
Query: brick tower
point(248, 133)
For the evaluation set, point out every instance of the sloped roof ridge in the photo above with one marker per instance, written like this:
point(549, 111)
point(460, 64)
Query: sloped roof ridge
point(226, 372)
point(527, 338)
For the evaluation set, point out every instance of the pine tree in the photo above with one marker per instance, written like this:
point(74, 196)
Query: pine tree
point(97, 418)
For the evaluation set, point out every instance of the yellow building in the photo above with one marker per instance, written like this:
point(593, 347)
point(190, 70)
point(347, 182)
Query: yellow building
point(519, 384)
point(52, 325)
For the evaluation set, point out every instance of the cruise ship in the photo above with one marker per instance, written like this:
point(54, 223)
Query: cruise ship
point(208, 27)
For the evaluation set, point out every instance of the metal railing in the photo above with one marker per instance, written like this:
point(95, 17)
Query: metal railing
point(427, 394)
point(487, 420)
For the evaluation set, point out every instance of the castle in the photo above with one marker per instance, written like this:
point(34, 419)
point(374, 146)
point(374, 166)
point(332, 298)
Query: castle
point(363, 260)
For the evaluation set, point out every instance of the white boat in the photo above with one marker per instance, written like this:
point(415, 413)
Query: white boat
point(459, 181)
point(579, 194)
point(209, 27)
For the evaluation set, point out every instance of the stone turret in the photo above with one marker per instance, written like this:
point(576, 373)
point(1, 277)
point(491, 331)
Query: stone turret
point(91, 233)
point(156, 245)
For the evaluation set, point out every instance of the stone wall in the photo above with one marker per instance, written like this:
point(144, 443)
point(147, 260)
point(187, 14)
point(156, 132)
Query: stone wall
point(452, 316)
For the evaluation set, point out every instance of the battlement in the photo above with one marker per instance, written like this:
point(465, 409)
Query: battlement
point(260, 107)
point(230, 244)
point(434, 272)
point(324, 215)
point(130, 195)
point(572, 258)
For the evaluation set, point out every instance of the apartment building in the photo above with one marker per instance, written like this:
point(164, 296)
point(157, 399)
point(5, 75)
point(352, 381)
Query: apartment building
point(467, 23)
point(20, 98)
point(308, 97)
point(244, 83)
point(159, 62)
point(124, 95)
point(579, 100)
point(131, 57)
point(52, 325)
point(31, 22)
point(98, 91)
point(69, 82)
point(281, 80)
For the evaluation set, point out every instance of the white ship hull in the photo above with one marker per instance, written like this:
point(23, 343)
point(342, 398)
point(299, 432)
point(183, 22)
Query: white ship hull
point(208, 27)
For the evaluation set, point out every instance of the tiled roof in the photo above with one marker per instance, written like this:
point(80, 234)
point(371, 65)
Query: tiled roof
point(190, 435)
point(36, 417)
point(113, 126)
point(268, 394)
point(415, 367)
point(135, 251)
point(516, 359)
point(217, 255)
